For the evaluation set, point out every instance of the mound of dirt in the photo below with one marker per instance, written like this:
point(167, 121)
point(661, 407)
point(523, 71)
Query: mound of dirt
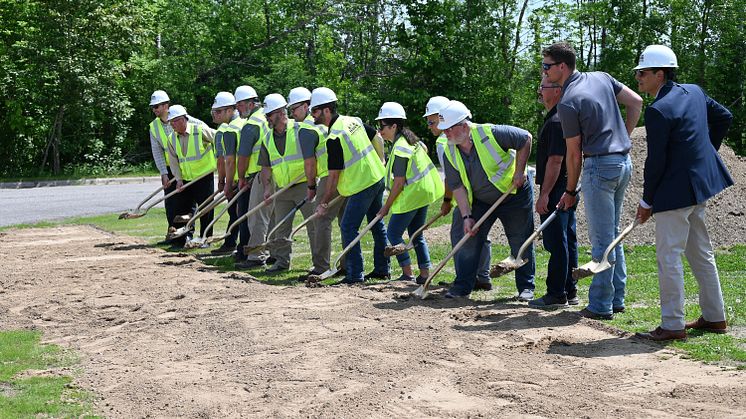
point(726, 212)
point(163, 339)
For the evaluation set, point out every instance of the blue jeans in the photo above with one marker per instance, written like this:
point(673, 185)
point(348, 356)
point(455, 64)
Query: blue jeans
point(411, 221)
point(604, 181)
point(562, 244)
point(364, 203)
point(516, 216)
point(457, 232)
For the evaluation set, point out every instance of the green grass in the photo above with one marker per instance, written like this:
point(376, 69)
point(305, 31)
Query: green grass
point(139, 170)
point(31, 395)
point(642, 300)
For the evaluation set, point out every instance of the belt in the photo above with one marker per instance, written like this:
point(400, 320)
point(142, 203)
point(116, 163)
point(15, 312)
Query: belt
point(585, 156)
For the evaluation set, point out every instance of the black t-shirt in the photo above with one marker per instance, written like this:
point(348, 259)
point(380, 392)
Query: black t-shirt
point(551, 143)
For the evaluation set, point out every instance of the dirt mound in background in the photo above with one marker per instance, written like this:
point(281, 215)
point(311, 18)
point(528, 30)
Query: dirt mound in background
point(726, 212)
point(164, 339)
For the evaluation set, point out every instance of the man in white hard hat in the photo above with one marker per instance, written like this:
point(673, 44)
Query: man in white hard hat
point(241, 157)
point(224, 114)
point(282, 160)
point(313, 145)
point(597, 139)
point(191, 155)
point(683, 170)
point(160, 131)
point(356, 172)
point(434, 105)
point(483, 161)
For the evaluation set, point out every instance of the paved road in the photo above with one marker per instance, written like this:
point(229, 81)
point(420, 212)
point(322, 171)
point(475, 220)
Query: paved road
point(32, 205)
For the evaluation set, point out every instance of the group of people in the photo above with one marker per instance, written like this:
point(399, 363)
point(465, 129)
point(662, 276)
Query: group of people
point(329, 166)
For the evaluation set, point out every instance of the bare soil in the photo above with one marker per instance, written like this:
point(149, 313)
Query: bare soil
point(161, 334)
point(726, 212)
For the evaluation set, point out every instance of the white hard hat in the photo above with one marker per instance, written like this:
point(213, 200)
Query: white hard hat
point(434, 105)
point(391, 110)
point(657, 56)
point(299, 94)
point(176, 111)
point(223, 99)
point(453, 113)
point(273, 102)
point(245, 92)
point(322, 95)
point(159, 96)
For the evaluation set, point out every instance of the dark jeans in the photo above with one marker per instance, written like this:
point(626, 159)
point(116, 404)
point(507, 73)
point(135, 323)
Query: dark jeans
point(170, 203)
point(191, 197)
point(234, 211)
point(562, 245)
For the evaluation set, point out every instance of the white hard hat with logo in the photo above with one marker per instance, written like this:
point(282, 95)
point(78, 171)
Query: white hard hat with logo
point(176, 111)
point(223, 99)
point(453, 113)
point(391, 110)
point(434, 105)
point(657, 56)
point(297, 95)
point(273, 102)
point(159, 96)
point(244, 93)
point(321, 96)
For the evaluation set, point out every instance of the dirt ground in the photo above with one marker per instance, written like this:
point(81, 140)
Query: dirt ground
point(162, 335)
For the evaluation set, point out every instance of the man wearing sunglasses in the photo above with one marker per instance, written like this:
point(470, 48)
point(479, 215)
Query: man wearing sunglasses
point(683, 170)
point(597, 139)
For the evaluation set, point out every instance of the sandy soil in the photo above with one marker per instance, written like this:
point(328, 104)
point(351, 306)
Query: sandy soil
point(163, 335)
point(726, 212)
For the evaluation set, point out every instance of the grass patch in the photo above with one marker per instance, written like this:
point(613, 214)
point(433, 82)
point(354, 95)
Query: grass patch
point(31, 395)
point(642, 299)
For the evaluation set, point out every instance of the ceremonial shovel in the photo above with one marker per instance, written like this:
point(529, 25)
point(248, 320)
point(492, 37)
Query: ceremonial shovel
point(289, 215)
point(135, 214)
point(592, 268)
point(193, 220)
point(401, 247)
point(315, 215)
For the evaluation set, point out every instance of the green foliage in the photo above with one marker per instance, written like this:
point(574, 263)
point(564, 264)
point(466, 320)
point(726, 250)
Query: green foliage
point(90, 66)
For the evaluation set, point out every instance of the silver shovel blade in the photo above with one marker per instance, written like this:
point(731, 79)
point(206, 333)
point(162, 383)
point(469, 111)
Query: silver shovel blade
point(420, 292)
point(590, 269)
point(194, 243)
point(178, 233)
point(505, 266)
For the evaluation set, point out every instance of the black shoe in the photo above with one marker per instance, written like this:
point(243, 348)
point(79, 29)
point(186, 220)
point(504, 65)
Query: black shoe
point(595, 316)
point(572, 298)
point(618, 309)
point(420, 280)
point(223, 250)
point(250, 264)
point(483, 286)
point(377, 275)
point(349, 282)
point(340, 273)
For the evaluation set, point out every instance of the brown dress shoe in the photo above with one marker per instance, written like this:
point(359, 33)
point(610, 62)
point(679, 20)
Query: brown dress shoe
point(702, 324)
point(660, 335)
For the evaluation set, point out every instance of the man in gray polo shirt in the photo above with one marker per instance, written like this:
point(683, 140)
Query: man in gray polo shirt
point(595, 131)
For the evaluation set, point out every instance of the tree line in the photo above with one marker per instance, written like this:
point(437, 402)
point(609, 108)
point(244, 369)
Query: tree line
point(76, 75)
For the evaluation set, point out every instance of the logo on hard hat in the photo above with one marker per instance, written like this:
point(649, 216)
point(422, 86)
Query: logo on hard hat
point(642, 58)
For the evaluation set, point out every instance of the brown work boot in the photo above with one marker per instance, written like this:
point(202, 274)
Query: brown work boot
point(702, 324)
point(660, 335)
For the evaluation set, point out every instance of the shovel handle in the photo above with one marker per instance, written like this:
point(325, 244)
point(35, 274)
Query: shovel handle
point(286, 217)
point(357, 239)
point(315, 215)
point(204, 210)
point(420, 230)
point(620, 237)
point(162, 187)
point(209, 199)
point(463, 240)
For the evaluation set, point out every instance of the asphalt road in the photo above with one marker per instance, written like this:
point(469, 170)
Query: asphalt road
point(24, 206)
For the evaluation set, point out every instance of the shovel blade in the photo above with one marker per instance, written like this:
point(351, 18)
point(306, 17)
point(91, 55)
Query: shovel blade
point(312, 279)
point(182, 218)
point(394, 250)
point(177, 233)
point(130, 215)
point(194, 243)
point(505, 266)
point(590, 269)
point(420, 292)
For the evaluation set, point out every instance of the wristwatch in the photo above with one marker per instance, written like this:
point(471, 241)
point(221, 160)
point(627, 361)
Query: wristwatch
point(466, 217)
point(312, 187)
point(571, 193)
point(324, 205)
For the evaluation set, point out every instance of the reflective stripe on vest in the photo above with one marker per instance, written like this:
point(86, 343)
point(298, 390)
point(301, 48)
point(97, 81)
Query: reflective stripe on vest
point(158, 131)
point(498, 164)
point(197, 160)
point(322, 168)
point(422, 185)
point(236, 125)
point(287, 166)
point(362, 167)
point(258, 119)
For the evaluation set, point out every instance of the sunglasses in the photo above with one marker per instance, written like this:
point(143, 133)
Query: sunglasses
point(641, 72)
point(382, 126)
point(547, 66)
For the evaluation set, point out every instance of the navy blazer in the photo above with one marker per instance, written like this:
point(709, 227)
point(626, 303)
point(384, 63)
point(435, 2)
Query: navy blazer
point(685, 128)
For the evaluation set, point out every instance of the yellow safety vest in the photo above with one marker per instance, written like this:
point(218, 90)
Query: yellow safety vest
point(422, 185)
point(235, 126)
point(362, 167)
point(498, 164)
point(257, 118)
point(322, 168)
point(196, 161)
point(287, 166)
point(158, 131)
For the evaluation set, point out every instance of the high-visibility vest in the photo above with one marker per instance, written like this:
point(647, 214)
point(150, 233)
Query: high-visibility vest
point(257, 118)
point(322, 168)
point(362, 167)
point(286, 166)
point(422, 185)
point(498, 164)
point(235, 126)
point(158, 130)
point(196, 161)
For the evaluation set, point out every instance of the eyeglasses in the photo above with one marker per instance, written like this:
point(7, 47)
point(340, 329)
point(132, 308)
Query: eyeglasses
point(452, 127)
point(382, 126)
point(547, 66)
point(550, 87)
point(431, 123)
point(641, 72)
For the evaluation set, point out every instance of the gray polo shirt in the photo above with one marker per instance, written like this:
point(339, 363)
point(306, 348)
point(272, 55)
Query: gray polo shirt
point(589, 108)
point(482, 189)
point(309, 139)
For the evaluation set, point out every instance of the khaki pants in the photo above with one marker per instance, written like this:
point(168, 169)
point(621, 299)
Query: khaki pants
point(280, 244)
point(321, 241)
point(259, 221)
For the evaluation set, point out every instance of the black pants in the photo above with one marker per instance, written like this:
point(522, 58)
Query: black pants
point(243, 228)
point(234, 211)
point(191, 197)
point(170, 203)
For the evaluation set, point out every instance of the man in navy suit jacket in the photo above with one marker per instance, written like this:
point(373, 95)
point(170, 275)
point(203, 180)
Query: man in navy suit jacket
point(683, 170)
